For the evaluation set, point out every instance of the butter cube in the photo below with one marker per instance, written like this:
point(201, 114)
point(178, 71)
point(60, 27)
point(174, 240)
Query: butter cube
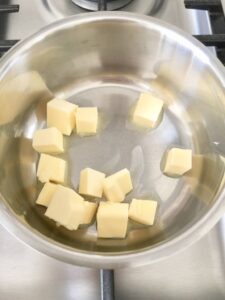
point(86, 120)
point(123, 178)
point(51, 168)
point(177, 161)
point(66, 208)
point(112, 191)
point(147, 111)
point(62, 115)
point(112, 220)
point(143, 211)
point(117, 186)
point(91, 182)
point(49, 140)
point(90, 209)
point(46, 194)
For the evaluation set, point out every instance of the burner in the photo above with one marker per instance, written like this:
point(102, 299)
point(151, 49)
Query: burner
point(93, 4)
point(55, 9)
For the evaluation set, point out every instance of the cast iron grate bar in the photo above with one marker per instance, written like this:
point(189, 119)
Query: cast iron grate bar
point(6, 45)
point(210, 5)
point(102, 4)
point(9, 8)
point(217, 20)
point(216, 40)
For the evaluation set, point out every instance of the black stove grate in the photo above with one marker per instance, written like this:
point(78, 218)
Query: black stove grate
point(217, 20)
point(214, 7)
point(9, 8)
point(102, 4)
point(5, 45)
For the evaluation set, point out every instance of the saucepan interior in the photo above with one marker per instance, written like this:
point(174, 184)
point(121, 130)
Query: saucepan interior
point(106, 60)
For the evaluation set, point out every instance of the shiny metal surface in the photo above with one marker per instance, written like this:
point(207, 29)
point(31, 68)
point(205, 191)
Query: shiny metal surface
point(36, 14)
point(60, 9)
point(223, 5)
point(197, 276)
point(29, 274)
point(107, 284)
point(93, 4)
point(105, 60)
point(196, 273)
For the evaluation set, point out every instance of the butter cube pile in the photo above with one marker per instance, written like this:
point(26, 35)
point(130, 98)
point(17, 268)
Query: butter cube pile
point(67, 117)
point(100, 196)
point(69, 209)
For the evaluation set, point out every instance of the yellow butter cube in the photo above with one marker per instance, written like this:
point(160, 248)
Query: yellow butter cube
point(91, 182)
point(147, 111)
point(143, 211)
point(123, 178)
point(112, 191)
point(86, 120)
point(46, 194)
point(62, 115)
point(49, 140)
point(51, 168)
point(112, 220)
point(90, 209)
point(177, 161)
point(116, 186)
point(66, 208)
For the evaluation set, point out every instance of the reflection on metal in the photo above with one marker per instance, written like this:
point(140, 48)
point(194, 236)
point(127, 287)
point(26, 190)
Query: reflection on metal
point(19, 93)
point(93, 4)
point(61, 9)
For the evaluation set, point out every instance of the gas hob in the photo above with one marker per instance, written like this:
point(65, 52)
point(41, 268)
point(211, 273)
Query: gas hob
point(196, 273)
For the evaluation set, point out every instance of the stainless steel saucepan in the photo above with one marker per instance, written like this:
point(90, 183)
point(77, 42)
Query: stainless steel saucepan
point(106, 59)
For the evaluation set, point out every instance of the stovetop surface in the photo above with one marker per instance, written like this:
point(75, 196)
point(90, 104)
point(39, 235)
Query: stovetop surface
point(196, 273)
